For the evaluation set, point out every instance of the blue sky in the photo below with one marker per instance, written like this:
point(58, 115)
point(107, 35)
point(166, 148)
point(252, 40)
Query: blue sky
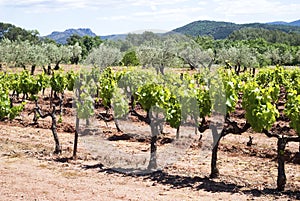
point(106, 17)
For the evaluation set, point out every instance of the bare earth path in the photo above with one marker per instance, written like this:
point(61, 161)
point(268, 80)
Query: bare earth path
point(28, 171)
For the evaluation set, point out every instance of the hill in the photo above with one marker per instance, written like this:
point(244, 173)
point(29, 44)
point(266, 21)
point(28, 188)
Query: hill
point(218, 30)
point(278, 23)
point(221, 30)
point(294, 23)
point(61, 37)
point(114, 37)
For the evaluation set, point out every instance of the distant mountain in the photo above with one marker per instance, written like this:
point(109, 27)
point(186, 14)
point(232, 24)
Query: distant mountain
point(114, 37)
point(294, 23)
point(61, 37)
point(221, 30)
point(278, 23)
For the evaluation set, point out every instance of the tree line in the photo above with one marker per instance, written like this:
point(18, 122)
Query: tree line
point(245, 48)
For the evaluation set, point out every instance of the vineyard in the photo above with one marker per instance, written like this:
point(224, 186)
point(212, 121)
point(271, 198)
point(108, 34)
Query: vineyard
point(216, 103)
point(186, 117)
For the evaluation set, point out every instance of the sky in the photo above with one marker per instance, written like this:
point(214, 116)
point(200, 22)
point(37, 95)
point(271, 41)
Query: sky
point(105, 17)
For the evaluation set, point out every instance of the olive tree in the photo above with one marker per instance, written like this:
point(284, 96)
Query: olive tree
point(237, 57)
point(134, 39)
point(273, 55)
point(195, 57)
point(22, 54)
point(297, 57)
point(57, 54)
point(104, 56)
point(287, 57)
point(76, 51)
point(4, 51)
point(16, 54)
point(159, 53)
point(35, 56)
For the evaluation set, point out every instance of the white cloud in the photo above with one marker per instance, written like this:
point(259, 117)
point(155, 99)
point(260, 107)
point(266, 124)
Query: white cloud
point(165, 12)
point(219, 9)
point(203, 3)
point(121, 15)
point(235, 7)
point(256, 9)
point(70, 4)
point(115, 18)
point(155, 2)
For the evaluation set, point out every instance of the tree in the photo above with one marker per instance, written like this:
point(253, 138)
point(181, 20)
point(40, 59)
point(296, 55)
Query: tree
point(104, 56)
point(138, 39)
point(14, 33)
point(90, 42)
point(73, 39)
point(130, 58)
point(87, 43)
point(205, 42)
point(22, 54)
point(272, 36)
point(124, 45)
point(273, 55)
point(237, 57)
point(159, 53)
point(57, 54)
point(196, 57)
point(76, 51)
point(4, 27)
point(35, 56)
point(297, 57)
point(4, 51)
point(17, 53)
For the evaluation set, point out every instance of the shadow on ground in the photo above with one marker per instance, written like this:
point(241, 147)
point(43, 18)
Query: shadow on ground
point(195, 183)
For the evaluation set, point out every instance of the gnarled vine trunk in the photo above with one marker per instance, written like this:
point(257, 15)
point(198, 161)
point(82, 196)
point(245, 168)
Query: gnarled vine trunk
point(281, 178)
point(154, 125)
point(281, 144)
point(76, 138)
point(52, 114)
point(214, 172)
point(54, 132)
point(177, 132)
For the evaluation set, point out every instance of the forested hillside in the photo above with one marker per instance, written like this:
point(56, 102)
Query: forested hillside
point(272, 36)
point(221, 30)
point(294, 23)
